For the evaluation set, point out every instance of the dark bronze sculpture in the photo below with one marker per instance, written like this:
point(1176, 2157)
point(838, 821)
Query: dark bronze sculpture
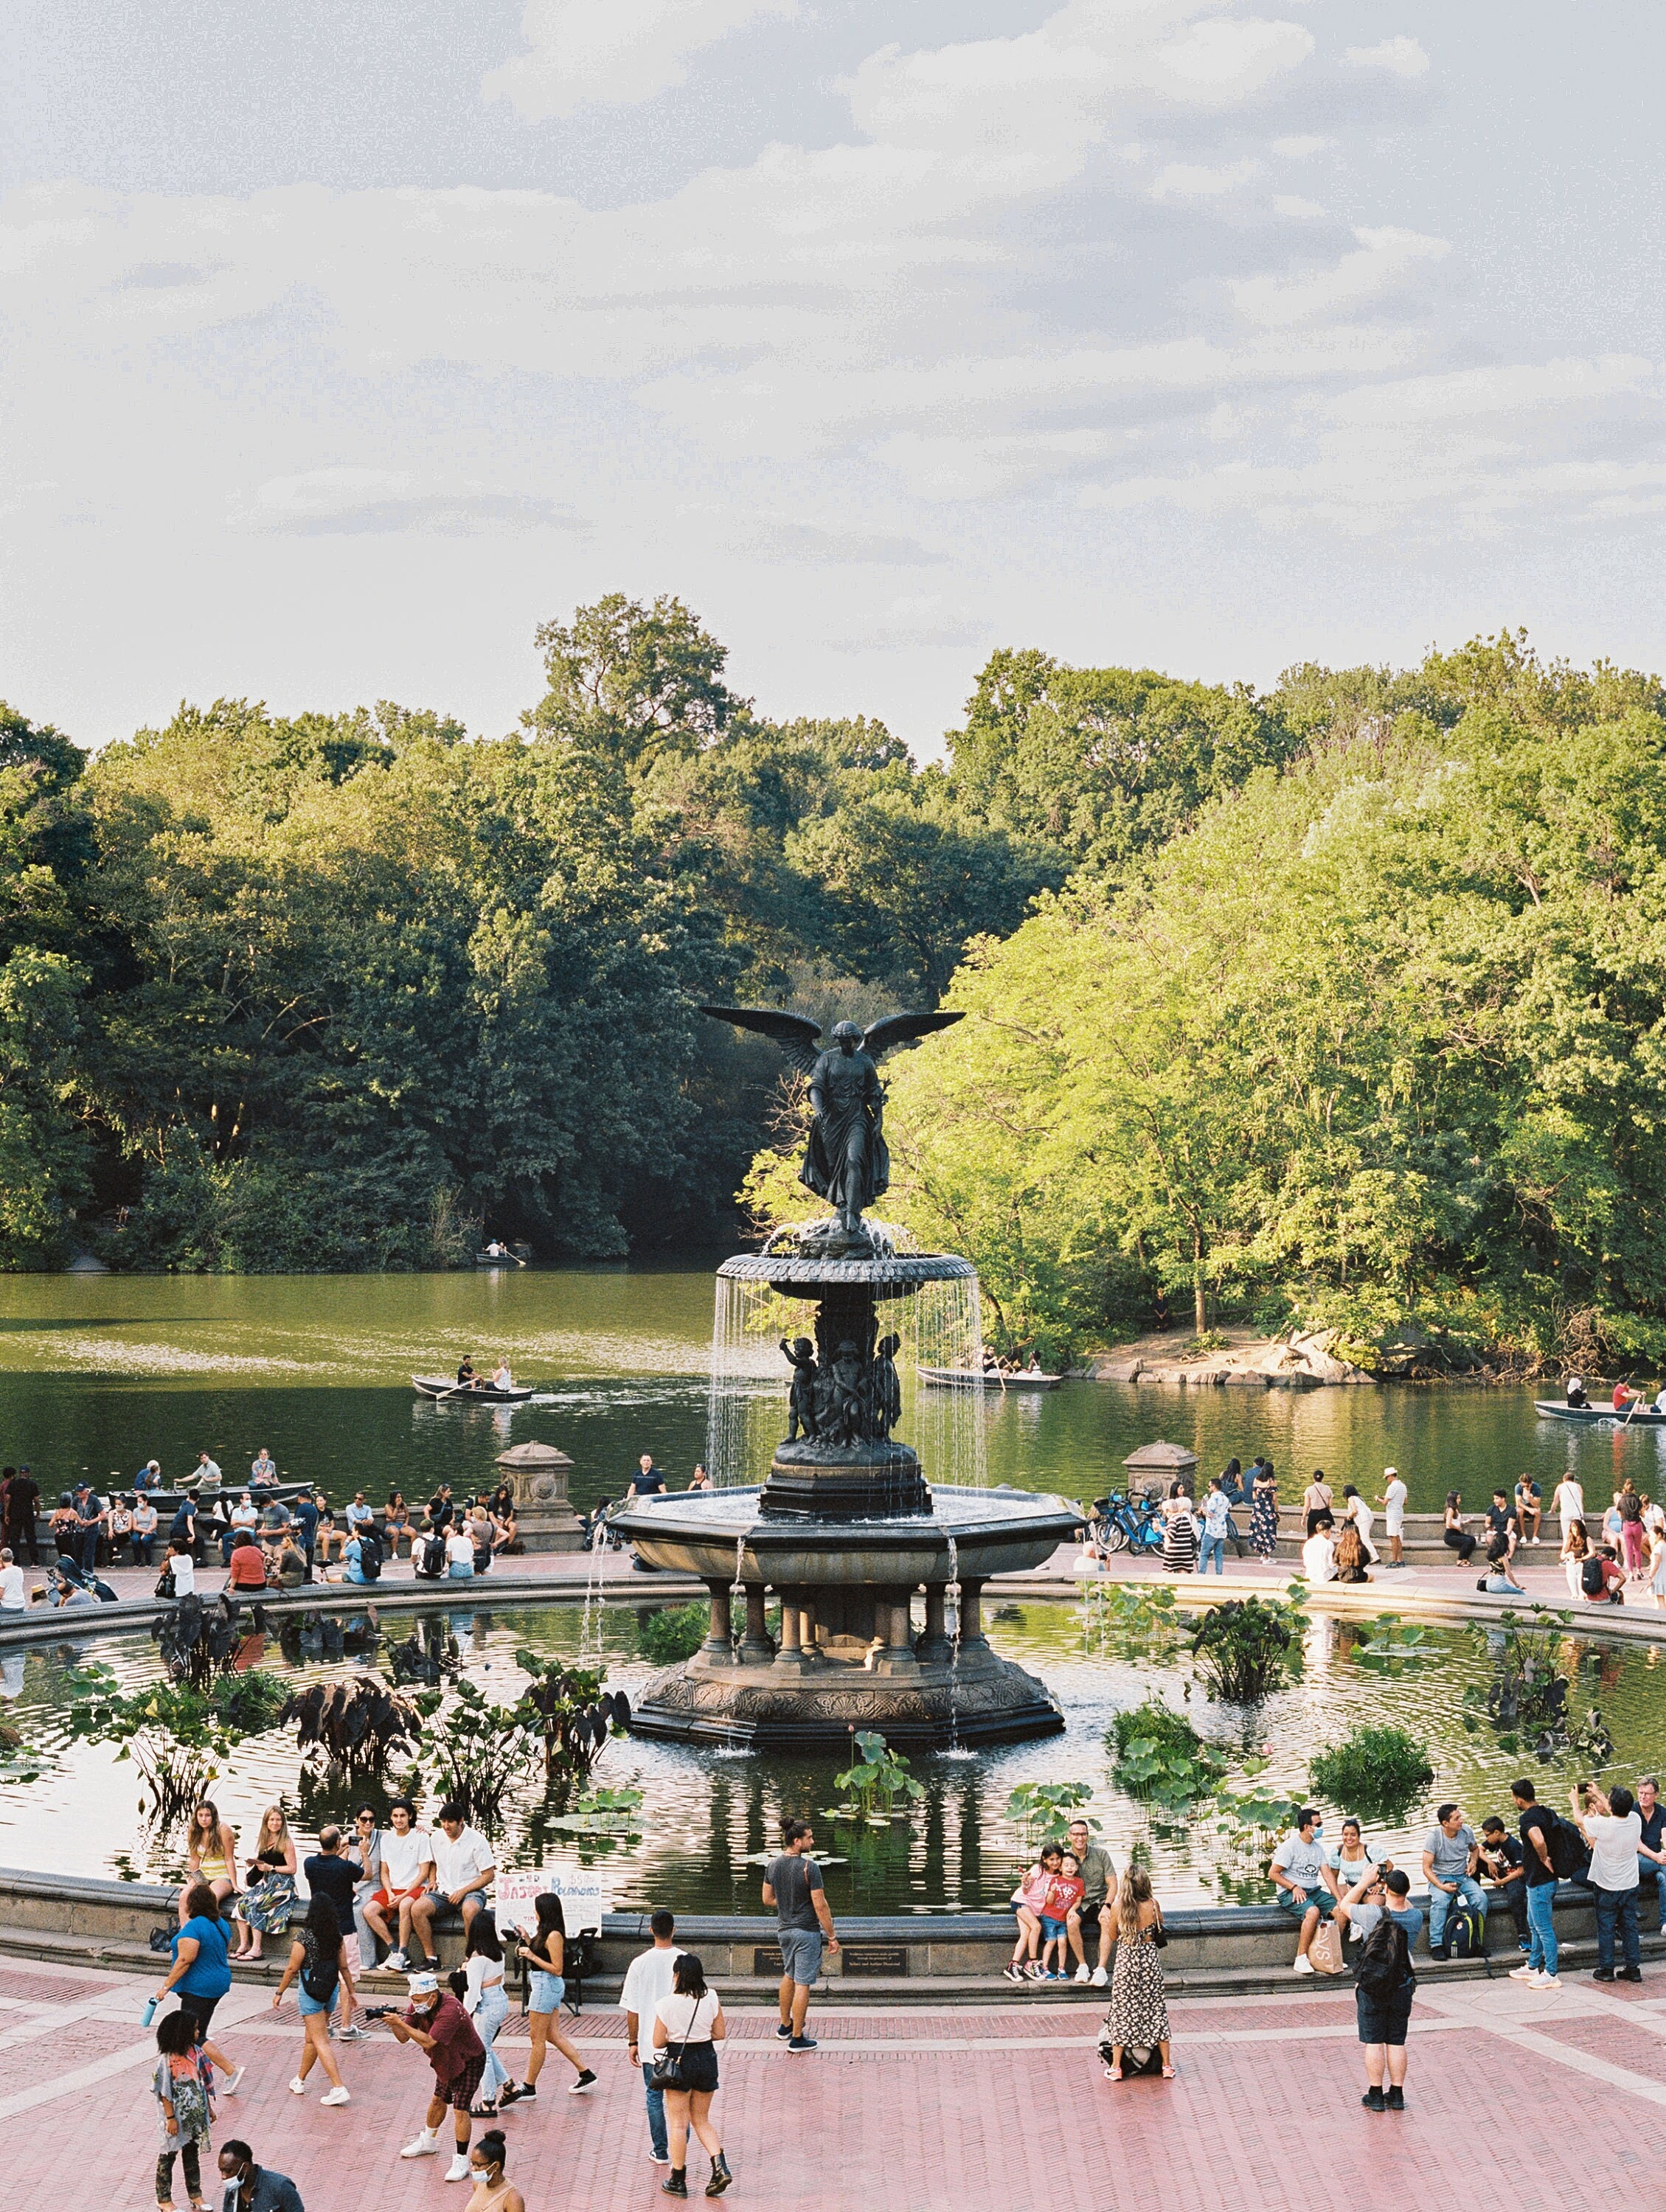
point(846, 1161)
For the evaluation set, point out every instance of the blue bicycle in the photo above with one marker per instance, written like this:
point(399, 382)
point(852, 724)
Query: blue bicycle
point(1130, 1524)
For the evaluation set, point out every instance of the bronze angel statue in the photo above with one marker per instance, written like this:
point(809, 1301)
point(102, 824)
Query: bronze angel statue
point(846, 1162)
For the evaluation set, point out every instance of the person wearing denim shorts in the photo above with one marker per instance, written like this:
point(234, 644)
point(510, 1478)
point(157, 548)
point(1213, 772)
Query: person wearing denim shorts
point(649, 1978)
point(1304, 1882)
point(793, 1887)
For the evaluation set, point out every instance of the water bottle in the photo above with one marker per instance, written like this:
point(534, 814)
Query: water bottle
point(149, 2014)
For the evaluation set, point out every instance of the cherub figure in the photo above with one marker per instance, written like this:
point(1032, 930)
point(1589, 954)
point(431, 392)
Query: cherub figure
point(887, 1390)
point(801, 1400)
point(846, 1375)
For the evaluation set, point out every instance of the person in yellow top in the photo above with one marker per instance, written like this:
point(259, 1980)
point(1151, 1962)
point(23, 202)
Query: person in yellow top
point(211, 1850)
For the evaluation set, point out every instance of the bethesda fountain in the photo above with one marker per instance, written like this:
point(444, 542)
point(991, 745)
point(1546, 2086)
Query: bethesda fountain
point(847, 1531)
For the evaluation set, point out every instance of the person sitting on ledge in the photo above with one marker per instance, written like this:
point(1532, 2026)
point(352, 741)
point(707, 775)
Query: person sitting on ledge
point(1319, 1552)
point(1603, 1579)
point(1350, 1557)
point(248, 1562)
point(1299, 1872)
point(1455, 1533)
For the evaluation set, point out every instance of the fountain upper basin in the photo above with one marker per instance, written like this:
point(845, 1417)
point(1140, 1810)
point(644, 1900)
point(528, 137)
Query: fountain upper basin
point(995, 1532)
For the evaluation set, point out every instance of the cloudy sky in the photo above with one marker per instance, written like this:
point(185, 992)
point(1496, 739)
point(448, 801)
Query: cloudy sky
point(341, 341)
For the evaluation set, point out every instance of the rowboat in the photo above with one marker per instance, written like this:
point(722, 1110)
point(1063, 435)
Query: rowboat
point(974, 1379)
point(470, 1393)
point(498, 1260)
point(1644, 1418)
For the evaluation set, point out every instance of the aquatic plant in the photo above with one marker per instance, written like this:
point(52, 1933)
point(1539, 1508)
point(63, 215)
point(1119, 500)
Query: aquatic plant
point(358, 1725)
point(1378, 1771)
point(571, 1713)
point(1391, 1646)
point(1034, 1807)
point(474, 1750)
point(876, 1778)
point(174, 1732)
point(1525, 1703)
point(674, 1634)
point(1247, 1648)
point(1161, 1758)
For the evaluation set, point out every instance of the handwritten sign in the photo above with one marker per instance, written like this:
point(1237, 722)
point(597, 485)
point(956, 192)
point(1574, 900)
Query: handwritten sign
point(584, 1896)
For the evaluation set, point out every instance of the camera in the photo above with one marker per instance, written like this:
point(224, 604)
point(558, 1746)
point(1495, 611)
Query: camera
point(378, 2012)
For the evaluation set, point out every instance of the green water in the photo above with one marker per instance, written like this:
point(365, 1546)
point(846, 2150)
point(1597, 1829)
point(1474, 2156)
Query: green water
point(707, 1816)
point(102, 1373)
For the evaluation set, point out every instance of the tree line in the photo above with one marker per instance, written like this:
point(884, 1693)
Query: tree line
point(1340, 1003)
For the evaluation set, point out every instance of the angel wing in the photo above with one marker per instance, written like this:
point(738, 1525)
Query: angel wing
point(898, 1029)
point(796, 1034)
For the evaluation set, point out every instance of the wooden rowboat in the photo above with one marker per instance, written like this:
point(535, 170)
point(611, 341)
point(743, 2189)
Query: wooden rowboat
point(1644, 1418)
point(970, 1378)
point(453, 1392)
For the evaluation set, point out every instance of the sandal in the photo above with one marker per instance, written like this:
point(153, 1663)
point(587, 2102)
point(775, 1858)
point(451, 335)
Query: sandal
point(483, 2111)
point(1169, 2073)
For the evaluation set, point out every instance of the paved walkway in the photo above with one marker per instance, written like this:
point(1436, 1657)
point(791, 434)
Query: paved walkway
point(1532, 2101)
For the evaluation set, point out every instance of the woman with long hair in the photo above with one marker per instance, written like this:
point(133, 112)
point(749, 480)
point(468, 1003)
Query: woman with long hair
point(318, 1956)
point(268, 1905)
point(689, 2025)
point(1575, 1546)
point(200, 1973)
point(545, 1953)
point(487, 2004)
point(1264, 1512)
point(1350, 1555)
point(1455, 1534)
point(1139, 2013)
point(211, 1850)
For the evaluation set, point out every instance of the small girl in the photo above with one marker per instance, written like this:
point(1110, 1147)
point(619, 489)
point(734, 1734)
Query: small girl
point(1064, 1894)
point(182, 2113)
point(1028, 1898)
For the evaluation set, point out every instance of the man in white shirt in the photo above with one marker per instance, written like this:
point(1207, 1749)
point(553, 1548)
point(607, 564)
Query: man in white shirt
point(1394, 1515)
point(12, 1597)
point(1299, 1872)
point(1570, 1503)
point(1319, 1552)
point(182, 1567)
point(407, 1864)
point(463, 1870)
point(647, 1980)
point(1613, 1830)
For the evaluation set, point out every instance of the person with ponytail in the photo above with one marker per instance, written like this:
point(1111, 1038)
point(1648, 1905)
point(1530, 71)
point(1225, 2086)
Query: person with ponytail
point(492, 2192)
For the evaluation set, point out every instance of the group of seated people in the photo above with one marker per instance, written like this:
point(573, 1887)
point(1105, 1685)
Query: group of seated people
point(1622, 1400)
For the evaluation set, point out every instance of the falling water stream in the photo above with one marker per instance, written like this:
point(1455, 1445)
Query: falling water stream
point(953, 1590)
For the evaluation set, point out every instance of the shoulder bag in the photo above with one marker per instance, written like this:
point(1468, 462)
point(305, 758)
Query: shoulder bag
point(668, 2063)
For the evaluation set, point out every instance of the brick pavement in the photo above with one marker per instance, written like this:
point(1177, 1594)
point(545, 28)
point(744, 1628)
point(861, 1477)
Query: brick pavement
point(1514, 2097)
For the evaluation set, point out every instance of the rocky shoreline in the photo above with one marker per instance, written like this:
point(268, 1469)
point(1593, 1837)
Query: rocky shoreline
point(1300, 1360)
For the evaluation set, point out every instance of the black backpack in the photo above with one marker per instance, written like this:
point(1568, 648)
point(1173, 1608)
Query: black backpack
point(320, 1978)
point(1466, 1933)
point(1383, 1968)
point(433, 1563)
point(370, 1555)
point(1569, 1854)
point(1590, 1576)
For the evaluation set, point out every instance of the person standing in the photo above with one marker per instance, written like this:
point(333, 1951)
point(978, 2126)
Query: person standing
point(545, 1953)
point(1139, 2013)
point(1394, 1515)
point(1614, 1830)
point(1316, 1498)
point(649, 1978)
point(486, 2001)
point(1380, 1908)
point(251, 2188)
point(200, 1974)
point(331, 1874)
point(688, 2026)
point(1217, 1513)
point(647, 1482)
point(318, 1957)
point(1179, 1532)
point(437, 2025)
point(792, 1885)
point(182, 2108)
point(306, 1521)
point(22, 1498)
point(364, 1853)
point(1263, 1511)
point(89, 1526)
point(1568, 1503)
point(1451, 1854)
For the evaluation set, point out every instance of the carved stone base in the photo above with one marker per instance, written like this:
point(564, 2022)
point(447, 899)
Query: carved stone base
point(818, 1700)
point(814, 1482)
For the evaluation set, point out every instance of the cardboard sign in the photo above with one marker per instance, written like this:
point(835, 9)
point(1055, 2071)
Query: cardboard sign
point(584, 1896)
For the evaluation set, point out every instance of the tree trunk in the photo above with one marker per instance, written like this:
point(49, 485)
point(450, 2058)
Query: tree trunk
point(1201, 1305)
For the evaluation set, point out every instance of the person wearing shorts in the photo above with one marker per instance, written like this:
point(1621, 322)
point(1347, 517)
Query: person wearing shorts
point(1301, 1878)
point(407, 1865)
point(1394, 1515)
point(462, 1873)
point(793, 1887)
point(1381, 2016)
point(437, 2025)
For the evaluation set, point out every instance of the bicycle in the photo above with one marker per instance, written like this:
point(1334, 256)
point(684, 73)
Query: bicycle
point(1130, 1525)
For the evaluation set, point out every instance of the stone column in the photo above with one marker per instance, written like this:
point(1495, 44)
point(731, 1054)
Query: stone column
point(718, 1648)
point(933, 1648)
point(891, 1620)
point(793, 1658)
point(971, 1613)
point(755, 1647)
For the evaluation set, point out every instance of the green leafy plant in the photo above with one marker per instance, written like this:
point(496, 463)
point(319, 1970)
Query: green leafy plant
point(1037, 1807)
point(676, 1633)
point(1161, 1759)
point(1526, 1702)
point(602, 1813)
point(1378, 1771)
point(477, 1751)
point(21, 1761)
point(876, 1778)
point(1247, 1648)
point(174, 1732)
point(1390, 1647)
point(571, 1713)
point(1138, 1619)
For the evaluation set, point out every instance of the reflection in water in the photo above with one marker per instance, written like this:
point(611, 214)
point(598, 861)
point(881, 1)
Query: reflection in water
point(706, 1821)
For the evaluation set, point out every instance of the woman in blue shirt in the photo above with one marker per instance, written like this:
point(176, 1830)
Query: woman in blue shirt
point(201, 1973)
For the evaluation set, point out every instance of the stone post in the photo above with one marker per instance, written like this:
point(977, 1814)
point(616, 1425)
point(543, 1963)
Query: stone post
point(718, 1648)
point(971, 1613)
point(755, 1649)
point(933, 1648)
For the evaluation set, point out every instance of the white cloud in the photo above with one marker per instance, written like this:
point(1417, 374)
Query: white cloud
point(359, 502)
point(1183, 180)
point(1302, 148)
point(1298, 209)
point(613, 53)
point(1388, 261)
point(1399, 57)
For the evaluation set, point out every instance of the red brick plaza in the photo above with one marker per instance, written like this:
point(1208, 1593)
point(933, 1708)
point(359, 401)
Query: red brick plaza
point(1532, 2102)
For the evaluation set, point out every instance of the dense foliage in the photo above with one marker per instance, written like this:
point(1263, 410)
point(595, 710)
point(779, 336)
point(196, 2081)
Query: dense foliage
point(1379, 1771)
point(1381, 1036)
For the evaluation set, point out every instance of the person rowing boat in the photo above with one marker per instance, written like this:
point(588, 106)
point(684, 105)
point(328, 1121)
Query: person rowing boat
point(466, 1378)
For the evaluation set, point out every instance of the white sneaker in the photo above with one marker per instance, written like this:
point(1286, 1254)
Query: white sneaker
point(422, 2146)
point(1303, 1966)
point(336, 2097)
point(1083, 1975)
point(397, 1962)
point(297, 2087)
point(1548, 1982)
point(459, 2169)
point(228, 2087)
point(1524, 1973)
point(1100, 1977)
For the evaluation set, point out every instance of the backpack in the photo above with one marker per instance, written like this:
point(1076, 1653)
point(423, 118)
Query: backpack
point(1383, 1969)
point(370, 1555)
point(1466, 1933)
point(1590, 1576)
point(320, 1978)
point(1569, 1854)
point(433, 1565)
point(1137, 2058)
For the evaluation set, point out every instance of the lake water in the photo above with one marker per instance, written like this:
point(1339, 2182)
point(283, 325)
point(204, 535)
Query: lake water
point(103, 1372)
